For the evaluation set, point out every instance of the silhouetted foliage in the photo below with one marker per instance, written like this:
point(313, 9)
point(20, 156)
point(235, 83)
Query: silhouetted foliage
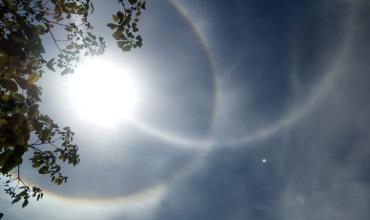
point(22, 63)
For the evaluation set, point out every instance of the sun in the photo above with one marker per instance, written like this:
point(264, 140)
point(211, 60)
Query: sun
point(102, 92)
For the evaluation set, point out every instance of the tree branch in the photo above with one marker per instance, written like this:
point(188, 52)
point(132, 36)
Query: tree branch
point(55, 41)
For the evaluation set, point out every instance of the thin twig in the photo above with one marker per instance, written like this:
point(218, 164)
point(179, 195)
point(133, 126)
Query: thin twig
point(57, 23)
point(55, 41)
point(35, 148)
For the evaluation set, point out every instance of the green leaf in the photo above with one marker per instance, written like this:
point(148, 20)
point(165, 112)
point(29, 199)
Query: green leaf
point(17, 97)
point(23, 83)
point(114, 18)
point(132, 1)
point(32, 78)
point(3, 122)
point(44, 170)
point(18, 39)
point(120, 15)
point(36, 164)
point(41, 29)
point(33, 110)
point(25, 203)
point(12, 161)
point(8, 3)
point(8, 84)
point(34, 92)
point(59, 181)
point(4, 98)
point(118, 35)
point(69, 46)
point(50, 65)
point(4, 156)
point(21, 140)
point(19, 117)
point(67, 70)
point(112, 26)
point(16, 199)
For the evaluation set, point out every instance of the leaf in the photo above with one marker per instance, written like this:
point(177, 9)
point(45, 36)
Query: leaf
point(32, 78)
point(67, 70)
point(122, 43)
point(41, 29)
point(126, 48)
point(21, 140)
point(3, 122)
point(18, 39)
point(8, 84)
point(44, 170)
point(132, 1)
point(17, 97)
point(34, 92)
point(22, 82)
point(59, 181)
point(112, 26)
point(118, 35)
point(12, 161)
point(5, 98)
point(36, 165)
point(19, 117)
point(69, 46)
point(50, 64)
point(120, 16)
point(8, 3)
point(45, 135)
point(114, 18)
point(25, 203)
point(4, 156)
point(33, 109)
point(16, 199)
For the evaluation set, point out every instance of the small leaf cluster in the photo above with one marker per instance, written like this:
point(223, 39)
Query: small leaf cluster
point(47, 161)
point(21, 193)
point(125, 25)
point(75, 39)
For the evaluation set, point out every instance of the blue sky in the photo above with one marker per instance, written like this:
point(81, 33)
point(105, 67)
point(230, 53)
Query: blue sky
point(250, 110)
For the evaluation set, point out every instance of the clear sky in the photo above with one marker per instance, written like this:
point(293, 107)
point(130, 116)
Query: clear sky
point(247, 110)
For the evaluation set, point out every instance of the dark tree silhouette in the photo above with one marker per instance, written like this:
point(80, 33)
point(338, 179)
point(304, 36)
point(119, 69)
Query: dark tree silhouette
point(22, 63)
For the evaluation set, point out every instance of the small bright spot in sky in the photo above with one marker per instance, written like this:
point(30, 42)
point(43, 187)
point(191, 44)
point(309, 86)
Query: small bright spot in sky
point(264, 160)
point(103, 93)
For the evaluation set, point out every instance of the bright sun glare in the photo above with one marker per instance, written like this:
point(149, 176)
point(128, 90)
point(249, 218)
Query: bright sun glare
point(103, 93)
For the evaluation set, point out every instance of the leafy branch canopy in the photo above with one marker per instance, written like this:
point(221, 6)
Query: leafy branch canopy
point(22, 63)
